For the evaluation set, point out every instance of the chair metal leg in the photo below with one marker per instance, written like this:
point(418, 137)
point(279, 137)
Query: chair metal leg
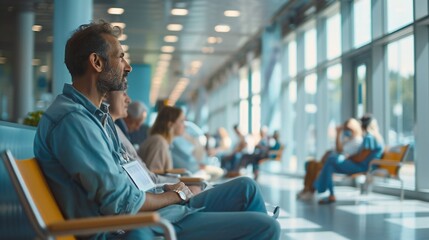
point(169, 233)
point(402, 189)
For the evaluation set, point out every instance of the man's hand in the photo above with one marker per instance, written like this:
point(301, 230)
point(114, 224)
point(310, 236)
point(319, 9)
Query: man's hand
point(154, 201)
point(180, 186)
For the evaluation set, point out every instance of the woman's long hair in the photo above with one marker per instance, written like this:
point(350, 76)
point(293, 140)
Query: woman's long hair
point(369, 125)
point(167, 116)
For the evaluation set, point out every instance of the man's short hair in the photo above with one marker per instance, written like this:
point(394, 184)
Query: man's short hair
point(88, 39)
point(136, 109)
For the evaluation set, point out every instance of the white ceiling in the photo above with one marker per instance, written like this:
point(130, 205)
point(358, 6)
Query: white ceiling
point(146, 22)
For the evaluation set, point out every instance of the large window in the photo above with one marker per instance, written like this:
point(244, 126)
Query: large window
point(291, 118)
point(310, 49)
point(399, 13)
point(333, 28)
point(244, 101)
point(361, 89)
point(292, 59)
point(400, 60)
point(361, 22)
point(310, 85)
point(256, 97)
point(334, 101)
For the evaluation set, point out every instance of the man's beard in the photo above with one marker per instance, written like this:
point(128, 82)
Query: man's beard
point(110, 80)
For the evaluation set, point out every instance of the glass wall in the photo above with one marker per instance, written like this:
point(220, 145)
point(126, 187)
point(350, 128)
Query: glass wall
point(399, 13)
point(310, 51)
point(352, 75)
point(400, 59)
point(361, 89)
point(244, 99)
point(256, 97)
point(333, 30)
point(334, 101)
point(291, 146)
point(310, 85)
point(292, 59)
point(361, 22)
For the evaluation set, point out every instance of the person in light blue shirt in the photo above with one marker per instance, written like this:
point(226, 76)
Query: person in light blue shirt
point(372, 148)
point(78, 150)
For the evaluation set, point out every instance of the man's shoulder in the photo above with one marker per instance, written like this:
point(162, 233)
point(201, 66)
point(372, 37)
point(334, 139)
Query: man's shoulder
point(63, 106)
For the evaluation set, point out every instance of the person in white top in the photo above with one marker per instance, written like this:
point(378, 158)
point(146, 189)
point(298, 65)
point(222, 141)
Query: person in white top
point(347, 143)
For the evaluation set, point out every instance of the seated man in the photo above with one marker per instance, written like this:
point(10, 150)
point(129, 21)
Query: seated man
point(79, 152)
point(133, 125)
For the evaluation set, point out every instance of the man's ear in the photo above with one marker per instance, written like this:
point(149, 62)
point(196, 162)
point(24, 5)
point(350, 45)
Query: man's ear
point(96, 62)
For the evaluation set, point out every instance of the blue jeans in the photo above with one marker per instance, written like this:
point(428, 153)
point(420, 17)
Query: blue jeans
point(233, 210)
point(336, 163)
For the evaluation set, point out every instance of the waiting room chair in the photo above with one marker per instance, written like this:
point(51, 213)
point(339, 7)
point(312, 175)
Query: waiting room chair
point(389, 165)
point(46, 218)
point(184, 176)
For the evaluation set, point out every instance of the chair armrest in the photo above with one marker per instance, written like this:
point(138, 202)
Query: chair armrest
point(385, 162)
point(191, 179)
point(177, 171)
point(110, 223)
point(159, 172)
point(194, 181)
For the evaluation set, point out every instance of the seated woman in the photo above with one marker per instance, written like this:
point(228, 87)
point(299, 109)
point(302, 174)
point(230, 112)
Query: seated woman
point(372, 148)
point(155, 150)
point(347, 142)
point(118, 104)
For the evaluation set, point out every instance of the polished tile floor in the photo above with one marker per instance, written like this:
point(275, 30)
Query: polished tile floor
point(353, 216)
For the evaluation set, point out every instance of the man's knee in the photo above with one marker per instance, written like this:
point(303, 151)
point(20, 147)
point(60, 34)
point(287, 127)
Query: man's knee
point(244, 183)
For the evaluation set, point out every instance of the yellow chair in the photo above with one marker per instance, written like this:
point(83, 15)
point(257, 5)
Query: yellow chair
point(46, 218)
point(389, 165)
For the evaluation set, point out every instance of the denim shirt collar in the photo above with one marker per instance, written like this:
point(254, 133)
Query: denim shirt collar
point(100, 113)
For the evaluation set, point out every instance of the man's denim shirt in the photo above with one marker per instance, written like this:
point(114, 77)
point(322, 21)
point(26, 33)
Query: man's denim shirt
point(79, 152)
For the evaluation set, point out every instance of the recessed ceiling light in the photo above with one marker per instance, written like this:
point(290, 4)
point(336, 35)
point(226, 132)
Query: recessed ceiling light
point(123, 37)
point(171, 38)
point(174, 27)
point(167, 49)
point(231, 13)
point(115, 11)
point(119, 24)
point(37, 28)
point(222, 28)
point(179, 11)
point(213, 40)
